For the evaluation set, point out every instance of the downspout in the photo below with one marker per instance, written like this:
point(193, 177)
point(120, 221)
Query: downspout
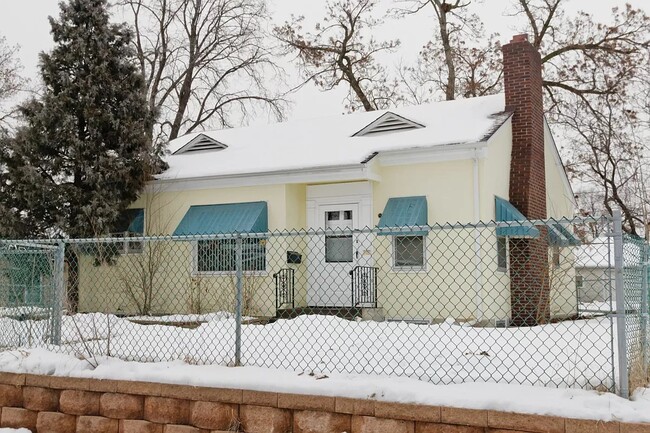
point(478, 261)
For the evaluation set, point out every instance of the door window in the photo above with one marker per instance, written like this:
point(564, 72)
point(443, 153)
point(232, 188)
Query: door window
point(338, 248)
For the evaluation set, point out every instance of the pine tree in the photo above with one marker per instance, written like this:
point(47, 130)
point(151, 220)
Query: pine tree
point(82, 154)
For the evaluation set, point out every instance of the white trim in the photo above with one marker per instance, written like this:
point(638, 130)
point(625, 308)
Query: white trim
point(307, 175)
point(419, 155)
point(359, 193)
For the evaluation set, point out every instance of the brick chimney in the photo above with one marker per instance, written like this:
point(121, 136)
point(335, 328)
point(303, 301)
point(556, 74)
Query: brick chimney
point(529, 270)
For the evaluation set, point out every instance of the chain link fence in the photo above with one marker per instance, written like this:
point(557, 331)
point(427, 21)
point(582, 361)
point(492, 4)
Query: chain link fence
point(560, 303)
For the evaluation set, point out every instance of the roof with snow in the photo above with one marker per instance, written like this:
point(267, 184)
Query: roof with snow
point(333, 141)
point(600, 253)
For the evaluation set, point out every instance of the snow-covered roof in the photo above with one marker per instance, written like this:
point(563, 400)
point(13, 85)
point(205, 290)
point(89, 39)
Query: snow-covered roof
point(600, 253)
point(597, 254)
point(331, 141)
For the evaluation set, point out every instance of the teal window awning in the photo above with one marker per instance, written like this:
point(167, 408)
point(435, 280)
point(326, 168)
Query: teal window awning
point(506, 212)
point(212, 219)
point(560, 236)
point(404, 212)
point(130, 220)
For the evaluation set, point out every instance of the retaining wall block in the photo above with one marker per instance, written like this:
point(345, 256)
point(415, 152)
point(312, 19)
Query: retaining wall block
point(14, 417)
point(261, 419)
point(320, 422)
point(121, 406)
point(96, 424)
point(213, 416)
point(40, 399)
point(166, 410)
point(139, 426)
point(76, 402)
point(55, 422)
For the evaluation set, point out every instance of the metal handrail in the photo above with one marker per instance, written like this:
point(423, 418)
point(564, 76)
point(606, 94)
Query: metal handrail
point(364, 285)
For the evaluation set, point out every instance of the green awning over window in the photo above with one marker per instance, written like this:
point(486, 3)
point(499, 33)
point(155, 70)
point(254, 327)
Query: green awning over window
point(506, 212)
point(131, 220)
point(404, 212)
point(212, 219)
point(560, 236)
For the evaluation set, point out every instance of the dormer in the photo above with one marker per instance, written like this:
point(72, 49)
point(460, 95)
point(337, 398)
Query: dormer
point(201, 143)
point(388, 122)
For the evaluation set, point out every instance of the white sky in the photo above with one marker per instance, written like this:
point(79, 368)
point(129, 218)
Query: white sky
point(25, 22)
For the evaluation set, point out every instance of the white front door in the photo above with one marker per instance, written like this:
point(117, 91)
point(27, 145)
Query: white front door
point(335, 254)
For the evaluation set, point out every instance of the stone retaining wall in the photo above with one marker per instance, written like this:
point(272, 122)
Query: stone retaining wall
point(50, 404)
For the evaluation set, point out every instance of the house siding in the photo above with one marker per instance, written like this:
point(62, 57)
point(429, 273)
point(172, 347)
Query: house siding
point(461, 292)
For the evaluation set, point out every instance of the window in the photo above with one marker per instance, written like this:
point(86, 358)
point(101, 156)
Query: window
point(127, 246)
point(555, 256)
point(579, 282)
point(338, 249)
point(502, 253)
point(220, 255)
point(408, 252)
point(130, 224)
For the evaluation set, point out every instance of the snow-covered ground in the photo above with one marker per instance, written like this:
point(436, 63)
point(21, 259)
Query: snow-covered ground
point(567, 354)
point(14, 430)
point(573, 403)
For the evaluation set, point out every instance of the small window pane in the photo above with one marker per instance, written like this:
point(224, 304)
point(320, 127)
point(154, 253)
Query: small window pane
point(338, 249)
point(555, 255)
point(502, 253)
point(332, 215)
point(579, 282)
point(409, 251)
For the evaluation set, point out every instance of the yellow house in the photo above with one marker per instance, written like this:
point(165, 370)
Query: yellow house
point(428, 165)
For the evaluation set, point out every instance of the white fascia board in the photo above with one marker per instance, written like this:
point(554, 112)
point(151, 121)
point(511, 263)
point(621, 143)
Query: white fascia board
point(440, 153)
point(307, 175)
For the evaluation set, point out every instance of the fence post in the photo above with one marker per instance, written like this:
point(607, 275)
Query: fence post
point(644, 304)
point(59, 293)
point(239, 301)
point(623, 374)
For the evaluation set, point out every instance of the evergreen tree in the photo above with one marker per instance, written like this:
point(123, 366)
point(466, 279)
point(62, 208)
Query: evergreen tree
point(83, 154)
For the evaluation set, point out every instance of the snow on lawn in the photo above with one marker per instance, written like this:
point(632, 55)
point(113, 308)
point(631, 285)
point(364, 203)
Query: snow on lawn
point(566, 354)
point(573, 403)
point(182, 318)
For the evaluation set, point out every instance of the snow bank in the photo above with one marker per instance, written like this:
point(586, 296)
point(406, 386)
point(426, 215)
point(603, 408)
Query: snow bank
point(566, 354)
point(571, 403)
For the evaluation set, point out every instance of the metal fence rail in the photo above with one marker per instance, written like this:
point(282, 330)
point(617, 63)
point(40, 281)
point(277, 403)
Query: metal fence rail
point(559, 303)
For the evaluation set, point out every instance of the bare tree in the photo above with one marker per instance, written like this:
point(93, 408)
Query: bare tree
point(582, 57)
point(337, 52)
point(456, 25)
point(10, 79)
point(203, 61)
point(592, 79)
point(604, 153)
point(477, 67)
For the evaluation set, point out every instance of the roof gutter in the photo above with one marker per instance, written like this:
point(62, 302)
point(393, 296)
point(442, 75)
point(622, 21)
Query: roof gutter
point(359, 171)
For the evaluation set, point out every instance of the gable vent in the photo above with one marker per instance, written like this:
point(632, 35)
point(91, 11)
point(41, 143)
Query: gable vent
point(201, 143)
point(388, 122)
